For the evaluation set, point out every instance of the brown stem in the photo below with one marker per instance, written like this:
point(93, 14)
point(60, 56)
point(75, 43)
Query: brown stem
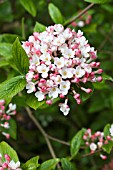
point(79, 15)
point(42, 131)
point(58, 140)
point(89, 154)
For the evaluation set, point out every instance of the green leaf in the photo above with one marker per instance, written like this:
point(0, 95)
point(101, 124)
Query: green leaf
point(98, 1)
point(29, 6)
point(39, 27)
point(3, 63)
point(13, 128)
point(49, 165)
point(107, 77)
point(55, 14)
point(66, 164)
point(31, 164)
point(33, 102)
point(6, 149)
point(11, 87)
point(9, 38)
point(106, 130)
point(76, 142)
point(20, 57)
point(6, 50)
point(108, 147)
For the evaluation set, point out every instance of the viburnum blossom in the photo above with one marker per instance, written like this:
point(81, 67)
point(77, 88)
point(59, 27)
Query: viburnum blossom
point(5, 116)
point(95, 141)
point(8, 163)
point(59, 60)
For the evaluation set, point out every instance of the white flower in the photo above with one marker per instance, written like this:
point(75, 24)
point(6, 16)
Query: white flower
point(64, 87)
point(26, 47)
point(54, 92)
point(14, 165)
point(43, 47)
point(59, 62)
point(58, 28)
point(29, 76)
point(79, 72)
point(35, 61)
point(66, 72)
point(31, 87)
point(81, 24)
point(85, 51)
point(40, 95)
point(58, 41)
point(68, 53)
point(111, 130)
point(67, 33)
point(64, 108)
point(43, 69)
point(46, 57)
point(58, 79)
point(12, 107)
point(93, 146)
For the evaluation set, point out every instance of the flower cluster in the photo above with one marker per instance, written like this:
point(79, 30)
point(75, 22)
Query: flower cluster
point(59, 60)
point(84, 20)
point(95, 141)
point(8, 163)
point(5, 116)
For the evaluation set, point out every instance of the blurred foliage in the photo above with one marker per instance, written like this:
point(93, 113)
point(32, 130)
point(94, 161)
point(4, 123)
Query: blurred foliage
point(95, 113)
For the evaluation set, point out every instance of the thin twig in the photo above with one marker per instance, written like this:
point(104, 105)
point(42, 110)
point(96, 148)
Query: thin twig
point(58, 140)
point(91, 153)
point(42, 131)
point(79, 15)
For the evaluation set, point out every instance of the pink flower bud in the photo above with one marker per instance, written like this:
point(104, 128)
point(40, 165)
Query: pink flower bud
point(62, 96)
point(98, 64)
point(4, 165)
point(79, 101)
point(93, 64)
point(99, 79)
point(85, 137)
point(36, 76)
point(7, 157)
point(88, 91)
point(100, 71)
point(103, 156)
point(108, 137)
point(74, 24)
point(76, 96)
point(1, 168)
point(49, 102)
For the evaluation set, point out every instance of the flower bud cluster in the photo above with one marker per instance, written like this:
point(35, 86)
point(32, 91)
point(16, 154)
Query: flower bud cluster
point(60, 59)
point(5, 116)
point(95, 141)
point(83, 20)
point(8, 163)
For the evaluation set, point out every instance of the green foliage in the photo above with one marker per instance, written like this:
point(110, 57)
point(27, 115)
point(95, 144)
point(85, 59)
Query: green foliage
point(55, 14)
point(39, 27)
point(76, 143)
point(29, 6)
point(66, 164)
point(106, 130)
point(11, 87)
point(20, 57)
point(6, 50)
point(6, 149)
point(108, 147)
point(49, 165)
point(98, 1)
point(35, 104)
point(31, 164)
point(13, 130)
